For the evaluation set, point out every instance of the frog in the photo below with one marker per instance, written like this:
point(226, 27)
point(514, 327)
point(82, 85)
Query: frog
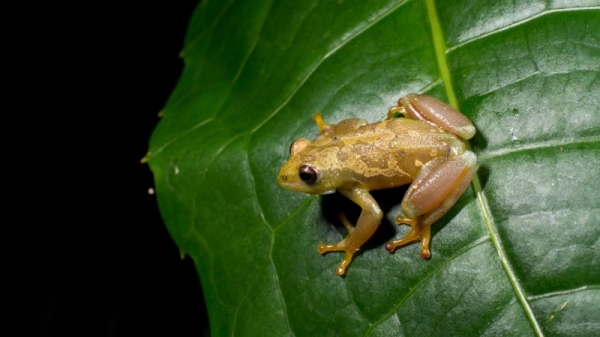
point(422, 142)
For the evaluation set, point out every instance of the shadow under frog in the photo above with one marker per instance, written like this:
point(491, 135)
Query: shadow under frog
point(332, 205)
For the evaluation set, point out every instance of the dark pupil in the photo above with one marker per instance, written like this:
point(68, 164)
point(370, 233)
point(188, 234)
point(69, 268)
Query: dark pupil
point(308, 174)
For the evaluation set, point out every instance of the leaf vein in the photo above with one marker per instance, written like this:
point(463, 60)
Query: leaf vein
point(295, 212)
point(426, 277)
point(518, 23)
point(354, 303)
point(531, 75)
point(564, 292)
point(233, 82)
point(181, 135)
point(243, 299)
point(327, 56)
point(498, 316)
point(285, 311)
point(253, 182)
point(441, 50)
point(490, 155)
point(495, 237)
point(217, 20)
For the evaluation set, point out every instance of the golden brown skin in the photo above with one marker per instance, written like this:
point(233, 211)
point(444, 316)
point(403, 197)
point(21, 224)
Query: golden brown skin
point(426, 149)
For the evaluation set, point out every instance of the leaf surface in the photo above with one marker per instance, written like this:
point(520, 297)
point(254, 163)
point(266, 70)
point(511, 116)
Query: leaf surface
point(519, 254)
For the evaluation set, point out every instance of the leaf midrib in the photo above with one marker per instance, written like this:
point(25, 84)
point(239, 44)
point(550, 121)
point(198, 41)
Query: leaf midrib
point(482, 203)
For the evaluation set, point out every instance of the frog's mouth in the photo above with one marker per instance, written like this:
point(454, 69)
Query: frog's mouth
point(291, 183)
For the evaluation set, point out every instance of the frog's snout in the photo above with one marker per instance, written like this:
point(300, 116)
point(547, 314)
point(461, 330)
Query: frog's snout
point(287, 181)
point(282, 179)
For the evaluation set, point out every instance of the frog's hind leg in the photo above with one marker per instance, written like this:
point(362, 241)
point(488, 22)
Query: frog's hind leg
point(433, 192)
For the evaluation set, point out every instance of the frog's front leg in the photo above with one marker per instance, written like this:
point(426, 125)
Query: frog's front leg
point(330, 130)
point(433, 192)
point(369, 220)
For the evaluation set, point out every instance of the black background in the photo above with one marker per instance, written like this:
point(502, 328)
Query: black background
point(98, 258)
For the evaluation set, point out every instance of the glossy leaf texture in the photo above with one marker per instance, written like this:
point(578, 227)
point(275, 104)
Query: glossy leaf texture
point(518, 255)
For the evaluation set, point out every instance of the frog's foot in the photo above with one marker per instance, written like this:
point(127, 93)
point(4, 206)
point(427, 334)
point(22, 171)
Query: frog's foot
point(419, 232)
point(339, 247)
point(342, 246)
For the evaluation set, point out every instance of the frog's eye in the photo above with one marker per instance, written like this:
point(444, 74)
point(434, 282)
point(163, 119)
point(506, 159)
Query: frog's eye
point(308, 174)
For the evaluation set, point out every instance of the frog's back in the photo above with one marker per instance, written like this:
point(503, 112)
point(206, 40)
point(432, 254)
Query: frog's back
point(401, 135)
point(391, 152)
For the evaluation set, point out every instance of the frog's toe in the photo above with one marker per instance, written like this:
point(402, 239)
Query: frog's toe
point(400, 220)
point(339, 247)
point(390, 247)
point(419, 232)
point(425, 252)
point(341, 269)
point(425, 236)
point(325, 248)
point(333, 247)
point(412, 236)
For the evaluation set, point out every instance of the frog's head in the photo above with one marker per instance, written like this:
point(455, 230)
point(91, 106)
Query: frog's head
point(306, 171)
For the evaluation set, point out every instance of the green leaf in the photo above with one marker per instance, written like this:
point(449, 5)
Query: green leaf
point(519, 254)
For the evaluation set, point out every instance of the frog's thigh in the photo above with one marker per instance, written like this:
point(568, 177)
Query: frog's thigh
point(437, 187)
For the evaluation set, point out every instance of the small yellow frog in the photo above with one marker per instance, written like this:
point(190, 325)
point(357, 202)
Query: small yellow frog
point(426, 149)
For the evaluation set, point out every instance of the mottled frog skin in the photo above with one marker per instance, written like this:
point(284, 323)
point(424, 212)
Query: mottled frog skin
point(426, 149)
